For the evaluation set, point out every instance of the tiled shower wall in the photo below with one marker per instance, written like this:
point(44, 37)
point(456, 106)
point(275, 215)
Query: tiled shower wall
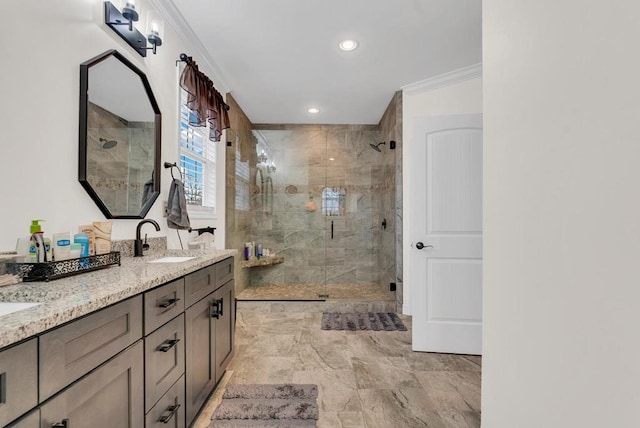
point(238, 222)
point(309, 158)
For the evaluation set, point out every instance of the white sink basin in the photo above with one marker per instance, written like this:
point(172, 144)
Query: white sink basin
point(9, 308)
point(171, 260)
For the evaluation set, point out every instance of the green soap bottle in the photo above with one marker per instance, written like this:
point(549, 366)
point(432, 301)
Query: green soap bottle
point(40, 247)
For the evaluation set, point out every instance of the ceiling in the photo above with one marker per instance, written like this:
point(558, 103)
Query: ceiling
point(280, 57)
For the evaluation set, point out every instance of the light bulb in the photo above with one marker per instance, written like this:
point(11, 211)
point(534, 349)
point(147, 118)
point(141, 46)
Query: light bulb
point(348, 45)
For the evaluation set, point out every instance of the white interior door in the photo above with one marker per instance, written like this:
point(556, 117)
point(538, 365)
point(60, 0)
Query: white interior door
point(445, 235)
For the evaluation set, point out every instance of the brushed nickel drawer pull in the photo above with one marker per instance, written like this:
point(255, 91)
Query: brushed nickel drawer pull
point(172, 411)
point(167, 344)
point(168, 302)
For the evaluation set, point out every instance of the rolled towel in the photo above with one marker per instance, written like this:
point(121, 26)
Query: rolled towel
point(8, 279)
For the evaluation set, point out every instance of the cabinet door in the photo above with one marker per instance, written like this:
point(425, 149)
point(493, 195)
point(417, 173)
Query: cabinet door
point(71, 351)
point(200, 355)
point(111, 396)
point(18, 380)
point(164, 359)
point(169, 410)
point(224, 299)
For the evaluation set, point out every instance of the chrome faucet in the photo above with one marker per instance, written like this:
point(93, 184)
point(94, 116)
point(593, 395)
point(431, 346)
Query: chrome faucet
point(137, 245)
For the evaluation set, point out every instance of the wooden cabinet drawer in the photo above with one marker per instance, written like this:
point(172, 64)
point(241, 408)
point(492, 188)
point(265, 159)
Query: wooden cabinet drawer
point(164, 359)
point(110, 396)
point(71, 351)
point(199, 284)
point(224, 272)
point(169, 410)
point(18, 380)
point(162, 304)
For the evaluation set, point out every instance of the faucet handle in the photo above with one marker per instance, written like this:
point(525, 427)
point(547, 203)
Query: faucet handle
point(145, 246)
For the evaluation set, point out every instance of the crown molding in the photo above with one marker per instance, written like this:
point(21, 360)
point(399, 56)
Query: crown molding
point(179, 25)
point(445, 79)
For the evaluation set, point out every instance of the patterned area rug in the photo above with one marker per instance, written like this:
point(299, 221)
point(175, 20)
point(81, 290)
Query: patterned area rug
point(387, 321)
point(281, 405)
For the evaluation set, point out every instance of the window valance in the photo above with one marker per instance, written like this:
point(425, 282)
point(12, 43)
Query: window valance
point(203, 100)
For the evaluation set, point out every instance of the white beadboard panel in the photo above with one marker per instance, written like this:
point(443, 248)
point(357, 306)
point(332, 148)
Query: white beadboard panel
point(454, 183)
point(454, 291)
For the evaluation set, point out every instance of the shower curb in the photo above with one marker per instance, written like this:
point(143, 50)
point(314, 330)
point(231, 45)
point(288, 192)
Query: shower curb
point(317, 306)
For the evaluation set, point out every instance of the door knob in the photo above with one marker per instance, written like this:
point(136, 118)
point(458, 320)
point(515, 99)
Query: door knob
point(420, 246)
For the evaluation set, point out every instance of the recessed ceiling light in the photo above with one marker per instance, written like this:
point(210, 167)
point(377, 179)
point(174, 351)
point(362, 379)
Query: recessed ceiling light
point(313, 110)
point(348, 45)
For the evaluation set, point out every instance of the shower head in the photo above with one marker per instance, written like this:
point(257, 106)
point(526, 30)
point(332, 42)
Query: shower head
point(108, 144)
point(376, 147)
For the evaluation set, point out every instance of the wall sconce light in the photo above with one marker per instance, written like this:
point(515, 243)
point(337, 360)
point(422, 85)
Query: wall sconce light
point(122, 24)
point(271, 168)
point(130, 13)
point(155, 28)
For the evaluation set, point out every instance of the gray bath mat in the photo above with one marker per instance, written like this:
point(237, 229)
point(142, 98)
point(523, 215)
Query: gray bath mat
point(387, 321)
point(280, 405)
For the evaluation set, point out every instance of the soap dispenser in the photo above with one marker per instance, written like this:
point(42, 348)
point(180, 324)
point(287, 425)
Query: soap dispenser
point(40, 248)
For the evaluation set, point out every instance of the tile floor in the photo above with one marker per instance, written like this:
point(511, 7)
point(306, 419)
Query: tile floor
point(365, 378)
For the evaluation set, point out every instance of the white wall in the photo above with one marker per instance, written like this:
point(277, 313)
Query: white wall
point(418, 102)
point(562, 214)
point(41, 49)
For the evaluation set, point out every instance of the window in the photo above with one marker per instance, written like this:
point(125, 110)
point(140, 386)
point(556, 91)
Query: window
point(197, 164)
point(333, 201)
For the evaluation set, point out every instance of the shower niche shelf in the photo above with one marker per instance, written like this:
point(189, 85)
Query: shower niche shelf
point(264, 261)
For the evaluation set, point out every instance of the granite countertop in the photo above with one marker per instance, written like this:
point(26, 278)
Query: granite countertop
point(66, 299)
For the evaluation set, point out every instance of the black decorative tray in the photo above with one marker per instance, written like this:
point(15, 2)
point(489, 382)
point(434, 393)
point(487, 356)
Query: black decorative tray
point(54, 270)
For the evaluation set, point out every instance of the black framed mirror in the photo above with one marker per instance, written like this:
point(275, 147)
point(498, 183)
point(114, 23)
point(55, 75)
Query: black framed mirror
point(119, 162)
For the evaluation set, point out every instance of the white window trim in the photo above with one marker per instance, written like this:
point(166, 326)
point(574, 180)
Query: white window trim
point(194, 211)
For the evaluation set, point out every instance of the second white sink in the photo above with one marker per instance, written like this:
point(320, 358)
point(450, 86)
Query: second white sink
point(7, 308)
point(171, 259)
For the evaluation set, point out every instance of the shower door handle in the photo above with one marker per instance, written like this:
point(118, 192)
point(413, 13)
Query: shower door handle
point(331, 229)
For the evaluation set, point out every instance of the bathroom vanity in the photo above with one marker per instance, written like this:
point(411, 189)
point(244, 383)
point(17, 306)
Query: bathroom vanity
point(140, 345)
